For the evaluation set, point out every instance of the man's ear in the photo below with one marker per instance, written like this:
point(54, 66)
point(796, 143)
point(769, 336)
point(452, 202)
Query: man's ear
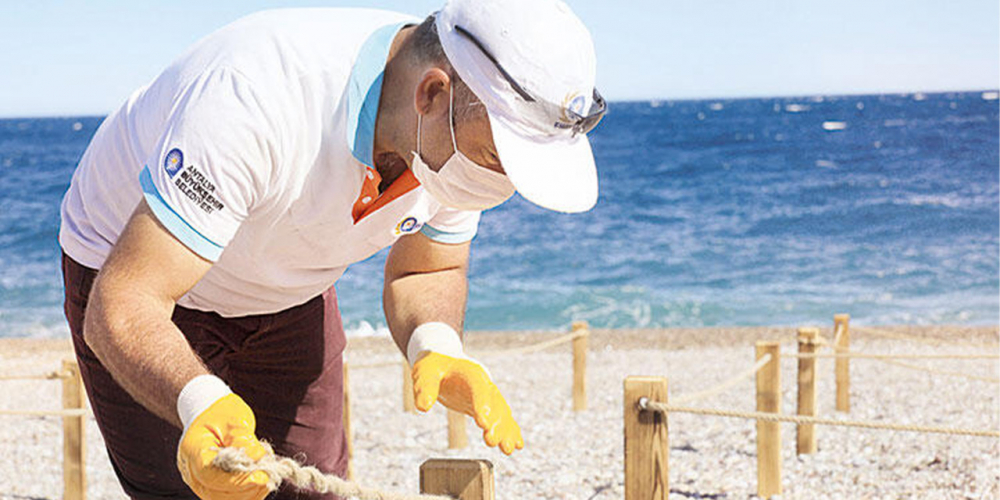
point(431, 95)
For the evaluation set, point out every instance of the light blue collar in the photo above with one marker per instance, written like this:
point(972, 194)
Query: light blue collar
point(364, 90)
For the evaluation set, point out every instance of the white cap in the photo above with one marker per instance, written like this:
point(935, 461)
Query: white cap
point(532, 64)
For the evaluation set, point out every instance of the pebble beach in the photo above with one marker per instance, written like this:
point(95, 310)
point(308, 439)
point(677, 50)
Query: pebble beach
point(579, 455)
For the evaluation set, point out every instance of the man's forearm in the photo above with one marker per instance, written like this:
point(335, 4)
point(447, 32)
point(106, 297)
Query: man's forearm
point(144, 351)
point(412, 299)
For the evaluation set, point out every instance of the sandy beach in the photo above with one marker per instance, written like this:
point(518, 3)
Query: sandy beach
point(578, 455)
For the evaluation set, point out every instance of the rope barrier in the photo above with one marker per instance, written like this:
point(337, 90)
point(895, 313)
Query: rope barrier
point(690, 398)
point(53, 375)
point(940, 372)
point(283, 469)
point(646, 404)
point(853, 354)
point(535, 347)
point(902, 336)
point(887, 358)
point(46, 413)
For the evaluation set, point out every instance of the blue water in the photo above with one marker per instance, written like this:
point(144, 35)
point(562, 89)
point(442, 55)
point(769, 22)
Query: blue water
point(727, 212)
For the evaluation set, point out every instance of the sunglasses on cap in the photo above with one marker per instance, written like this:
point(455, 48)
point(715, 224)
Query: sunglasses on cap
point(567, 118)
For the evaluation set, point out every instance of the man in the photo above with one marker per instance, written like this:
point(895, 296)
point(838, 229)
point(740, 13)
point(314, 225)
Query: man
point(211, 215)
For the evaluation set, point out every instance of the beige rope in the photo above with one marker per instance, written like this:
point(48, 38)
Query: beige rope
point(528, 349)
point(941, 372)
point(535, 347)
point(41, 376)
point(690, 398)
point(646, 404)
point(46, 413)
point(862, 355)
point(902, 336)
point(283, 469)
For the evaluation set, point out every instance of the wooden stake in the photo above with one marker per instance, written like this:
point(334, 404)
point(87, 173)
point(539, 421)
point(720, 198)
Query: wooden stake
point(769, 433)
point(843, 365)
point(74, 444)
point(409, 404)
point(457, 437)
point(580, 365)
point(462, 479)
point(647, 447)
point(346, 416)
point(806, 437)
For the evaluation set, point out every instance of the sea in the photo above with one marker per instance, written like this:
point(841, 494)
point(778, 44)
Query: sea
point(774, 211)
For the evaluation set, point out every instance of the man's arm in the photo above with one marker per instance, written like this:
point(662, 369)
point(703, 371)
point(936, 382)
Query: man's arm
point(128, 319)
point(425, 281)
point(128, 326)
point(424, 301)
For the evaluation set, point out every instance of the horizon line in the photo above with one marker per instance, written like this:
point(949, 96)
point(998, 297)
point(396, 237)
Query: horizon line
point(637, 99)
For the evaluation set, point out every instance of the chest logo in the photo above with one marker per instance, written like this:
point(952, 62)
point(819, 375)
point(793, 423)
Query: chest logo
point(407, 226)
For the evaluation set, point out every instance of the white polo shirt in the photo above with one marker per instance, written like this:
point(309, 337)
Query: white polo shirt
point(254, 149)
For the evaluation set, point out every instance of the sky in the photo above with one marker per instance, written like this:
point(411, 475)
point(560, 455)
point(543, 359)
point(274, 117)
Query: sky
point(75, 57)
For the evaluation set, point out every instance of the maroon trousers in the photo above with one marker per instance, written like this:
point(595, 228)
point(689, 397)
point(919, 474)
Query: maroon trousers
point(287, 366)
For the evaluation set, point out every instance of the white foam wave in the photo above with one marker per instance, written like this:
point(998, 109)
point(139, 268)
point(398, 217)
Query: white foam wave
point(365, 329)
point(948, 200)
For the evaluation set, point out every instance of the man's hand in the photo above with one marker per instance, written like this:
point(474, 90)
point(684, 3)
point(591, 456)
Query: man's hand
point(227, 422)
point(464, 386)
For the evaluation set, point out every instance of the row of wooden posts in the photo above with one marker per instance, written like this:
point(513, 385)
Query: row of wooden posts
point(646, 446)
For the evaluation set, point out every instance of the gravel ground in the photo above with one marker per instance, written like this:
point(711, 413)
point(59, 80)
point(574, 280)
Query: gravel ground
point(572, 455)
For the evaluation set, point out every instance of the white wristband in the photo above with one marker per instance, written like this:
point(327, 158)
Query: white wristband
point(440, 338)
point(437, 337)
point(197, 395)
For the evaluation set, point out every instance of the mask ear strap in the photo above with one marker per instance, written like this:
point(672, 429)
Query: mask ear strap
point(451, 117)
point(419, 116)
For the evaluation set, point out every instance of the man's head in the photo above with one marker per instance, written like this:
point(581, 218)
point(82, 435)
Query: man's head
point(513, 80)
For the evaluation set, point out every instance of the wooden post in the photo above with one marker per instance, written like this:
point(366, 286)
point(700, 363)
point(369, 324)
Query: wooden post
point(74, 444)
point(580, 365)
point(461, 479)
point(647, 448)
point(843, 365)
point(806, 438)
point(409, 404)
point(769, 433)
point(457, 437)
point(346, 416)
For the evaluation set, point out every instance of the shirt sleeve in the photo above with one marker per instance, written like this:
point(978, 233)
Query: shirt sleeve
point(211, 163)
point(452, 226)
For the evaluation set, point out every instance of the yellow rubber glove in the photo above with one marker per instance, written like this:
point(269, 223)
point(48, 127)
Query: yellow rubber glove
point(228, 422)
point(464, 386)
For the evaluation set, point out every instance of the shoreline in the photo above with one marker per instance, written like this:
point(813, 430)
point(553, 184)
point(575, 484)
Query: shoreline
point(616, 338)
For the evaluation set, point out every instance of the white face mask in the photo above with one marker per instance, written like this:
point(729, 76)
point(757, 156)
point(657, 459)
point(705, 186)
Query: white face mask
point(461, 183)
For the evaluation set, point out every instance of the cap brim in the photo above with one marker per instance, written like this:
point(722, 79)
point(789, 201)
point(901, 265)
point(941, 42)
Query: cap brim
point(557, 173)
